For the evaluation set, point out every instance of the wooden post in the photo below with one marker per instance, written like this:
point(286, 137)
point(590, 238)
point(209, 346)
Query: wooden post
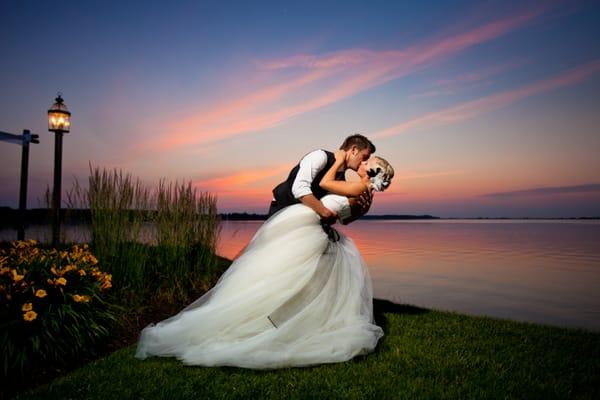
point(23, 186)
point(24, 141)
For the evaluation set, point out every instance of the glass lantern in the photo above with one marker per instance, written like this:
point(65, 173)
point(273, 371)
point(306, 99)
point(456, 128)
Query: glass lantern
point(59, 117)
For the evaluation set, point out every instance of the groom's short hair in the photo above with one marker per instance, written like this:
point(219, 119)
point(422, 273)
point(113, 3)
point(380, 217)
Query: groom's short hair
point(358, 140)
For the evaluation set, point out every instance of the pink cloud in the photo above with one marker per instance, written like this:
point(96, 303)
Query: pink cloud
point(420, 175)
point(234, 116)
point(237, 181)
point(331, 60)
point(323, 80)
point(476, 107)
point(245, 189)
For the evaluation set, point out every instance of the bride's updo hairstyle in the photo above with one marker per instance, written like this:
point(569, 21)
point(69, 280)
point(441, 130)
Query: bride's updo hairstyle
point(380, 173)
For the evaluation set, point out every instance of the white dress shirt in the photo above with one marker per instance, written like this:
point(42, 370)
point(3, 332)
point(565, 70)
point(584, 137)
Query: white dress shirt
point(310, 166)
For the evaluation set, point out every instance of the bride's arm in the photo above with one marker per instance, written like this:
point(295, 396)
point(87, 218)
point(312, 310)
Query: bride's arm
point(344, 188)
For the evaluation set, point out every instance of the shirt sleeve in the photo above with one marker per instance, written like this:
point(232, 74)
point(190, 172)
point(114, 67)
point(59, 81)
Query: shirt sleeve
point(310, 165)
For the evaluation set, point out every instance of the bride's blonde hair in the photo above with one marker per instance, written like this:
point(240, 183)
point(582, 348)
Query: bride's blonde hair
point(381, 175)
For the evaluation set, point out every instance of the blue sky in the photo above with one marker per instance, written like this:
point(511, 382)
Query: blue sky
point(467, 100)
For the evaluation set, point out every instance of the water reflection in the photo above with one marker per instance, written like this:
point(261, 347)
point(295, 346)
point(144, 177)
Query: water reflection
point(538, 271)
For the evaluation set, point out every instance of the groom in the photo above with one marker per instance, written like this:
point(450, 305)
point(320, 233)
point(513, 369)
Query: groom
point(302, 184)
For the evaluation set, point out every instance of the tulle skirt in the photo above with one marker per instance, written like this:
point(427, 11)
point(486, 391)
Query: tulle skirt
point(292, 298)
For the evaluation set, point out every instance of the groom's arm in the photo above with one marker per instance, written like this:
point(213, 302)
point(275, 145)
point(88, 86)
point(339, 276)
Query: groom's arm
point(325, 213)
point(309, 167)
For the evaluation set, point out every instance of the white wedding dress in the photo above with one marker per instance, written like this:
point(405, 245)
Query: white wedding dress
point(292, 298)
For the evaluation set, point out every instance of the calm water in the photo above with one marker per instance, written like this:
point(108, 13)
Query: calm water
point(539, 271)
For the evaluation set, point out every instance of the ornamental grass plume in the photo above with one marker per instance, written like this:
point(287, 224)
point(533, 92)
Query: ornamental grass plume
point(155, 241)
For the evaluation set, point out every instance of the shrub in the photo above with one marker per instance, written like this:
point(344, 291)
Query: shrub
point(52, 305)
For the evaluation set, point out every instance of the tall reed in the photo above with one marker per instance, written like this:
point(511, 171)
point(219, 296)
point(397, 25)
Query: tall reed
point(178, 225)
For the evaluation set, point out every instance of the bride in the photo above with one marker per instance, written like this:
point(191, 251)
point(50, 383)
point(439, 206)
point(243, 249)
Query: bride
point(296, 296)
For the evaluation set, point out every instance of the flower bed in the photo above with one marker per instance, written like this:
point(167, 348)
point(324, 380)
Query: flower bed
point(52, 305)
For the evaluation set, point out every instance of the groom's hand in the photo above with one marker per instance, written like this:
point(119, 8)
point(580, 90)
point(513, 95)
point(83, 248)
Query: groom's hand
point(325, 213)
point(328, 216)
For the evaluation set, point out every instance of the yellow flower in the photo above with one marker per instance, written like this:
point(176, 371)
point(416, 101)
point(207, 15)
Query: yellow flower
point(16, 277)
point(54, 271)
point(94, 260)
point(81, 299)
point(70, 267)
point(30, 316)
point(61, 281)
point(81, 272)
point(27, 307)
point(106, 283)
point(41, 293)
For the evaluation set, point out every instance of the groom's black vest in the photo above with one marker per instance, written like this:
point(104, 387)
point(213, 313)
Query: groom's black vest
point(283, 192)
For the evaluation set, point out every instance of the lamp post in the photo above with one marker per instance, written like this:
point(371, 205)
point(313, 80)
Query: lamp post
point(59, 122)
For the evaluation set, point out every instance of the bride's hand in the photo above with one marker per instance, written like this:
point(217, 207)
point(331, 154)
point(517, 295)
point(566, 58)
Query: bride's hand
point(340, 156)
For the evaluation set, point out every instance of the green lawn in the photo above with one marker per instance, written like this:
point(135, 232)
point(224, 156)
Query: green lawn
point(424, 354)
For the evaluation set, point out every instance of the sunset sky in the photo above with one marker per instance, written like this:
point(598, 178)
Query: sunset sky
point(483, 108)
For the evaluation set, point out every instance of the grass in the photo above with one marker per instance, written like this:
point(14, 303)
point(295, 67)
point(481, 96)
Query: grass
point(126, 214)
point(425, 354)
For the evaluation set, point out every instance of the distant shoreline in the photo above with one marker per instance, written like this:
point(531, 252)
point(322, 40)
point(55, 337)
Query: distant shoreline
point(10, 216)
point(260, 217)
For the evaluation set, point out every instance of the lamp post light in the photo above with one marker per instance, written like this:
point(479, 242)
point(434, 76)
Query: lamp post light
point(59, 122)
